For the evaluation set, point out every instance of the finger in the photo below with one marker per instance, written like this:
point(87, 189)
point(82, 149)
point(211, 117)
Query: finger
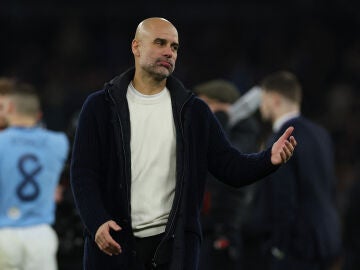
point(289, 147)
point(109, 249)
point(116, 251)
point(283, 157)
point(104, 247)
point(112, 244)
point(287, 133)
point(113, 250)
point(287, 152)
point(107, 244)
point(114, 226)
point(106, 251)
point(293, 141)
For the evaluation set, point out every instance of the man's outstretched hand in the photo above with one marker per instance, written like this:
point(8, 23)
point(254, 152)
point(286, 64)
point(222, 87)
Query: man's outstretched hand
point(283, 148)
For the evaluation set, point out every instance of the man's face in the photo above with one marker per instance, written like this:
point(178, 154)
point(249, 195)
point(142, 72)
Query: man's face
point(267, 105)
point(156, 51)
point(214, 104)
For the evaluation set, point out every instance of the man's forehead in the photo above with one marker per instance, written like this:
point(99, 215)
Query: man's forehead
point(165, 34)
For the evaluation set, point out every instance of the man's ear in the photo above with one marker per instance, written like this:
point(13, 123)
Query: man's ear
point(39, 116)
point(135, 47)
point(277, 98)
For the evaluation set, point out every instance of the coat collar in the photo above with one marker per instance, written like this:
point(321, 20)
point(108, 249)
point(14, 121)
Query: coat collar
point(117, 87)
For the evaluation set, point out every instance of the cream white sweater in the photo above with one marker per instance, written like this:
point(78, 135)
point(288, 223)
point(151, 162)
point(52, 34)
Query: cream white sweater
point(153, 158)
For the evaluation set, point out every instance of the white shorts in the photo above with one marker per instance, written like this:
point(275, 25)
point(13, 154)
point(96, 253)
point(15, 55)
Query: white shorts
point(28, 248)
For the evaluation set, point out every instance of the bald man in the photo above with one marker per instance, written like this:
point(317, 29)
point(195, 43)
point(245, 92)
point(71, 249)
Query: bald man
point(142, 150)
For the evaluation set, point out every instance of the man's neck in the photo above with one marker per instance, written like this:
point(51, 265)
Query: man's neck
point(147, 85)
point(22, 121)
point(285, 116)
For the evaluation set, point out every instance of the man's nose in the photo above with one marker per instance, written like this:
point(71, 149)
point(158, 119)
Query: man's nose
point(169, 51)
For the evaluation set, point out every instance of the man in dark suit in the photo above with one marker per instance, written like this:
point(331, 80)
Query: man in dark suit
point(294, 223)
point(225, 208)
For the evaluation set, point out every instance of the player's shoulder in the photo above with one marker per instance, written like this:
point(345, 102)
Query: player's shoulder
point(55, 135)
point(5, 134)
point(58, 141)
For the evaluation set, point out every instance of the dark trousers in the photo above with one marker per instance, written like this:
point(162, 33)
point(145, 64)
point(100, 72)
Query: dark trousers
point(145, 250)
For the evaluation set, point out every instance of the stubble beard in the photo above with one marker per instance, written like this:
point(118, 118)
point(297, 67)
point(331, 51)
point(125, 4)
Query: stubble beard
point(156, 72)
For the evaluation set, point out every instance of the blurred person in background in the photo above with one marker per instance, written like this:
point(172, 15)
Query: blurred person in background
point(31, 161)
point(224, 207)
point(142, 150)
point(293, 221)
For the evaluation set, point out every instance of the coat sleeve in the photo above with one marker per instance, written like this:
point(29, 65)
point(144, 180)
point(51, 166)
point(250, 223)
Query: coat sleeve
point(231, 166)
point(86, 172)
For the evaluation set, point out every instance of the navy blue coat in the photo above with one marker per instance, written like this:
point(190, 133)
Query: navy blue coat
point(294, 208)
point(101, 180)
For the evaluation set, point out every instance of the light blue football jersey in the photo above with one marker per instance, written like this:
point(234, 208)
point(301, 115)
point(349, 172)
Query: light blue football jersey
point(31, 162)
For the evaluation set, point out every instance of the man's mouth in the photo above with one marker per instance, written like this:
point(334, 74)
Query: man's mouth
point(165, 64)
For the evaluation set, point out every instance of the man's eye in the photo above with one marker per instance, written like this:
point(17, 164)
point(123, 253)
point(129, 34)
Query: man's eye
point(160, 42)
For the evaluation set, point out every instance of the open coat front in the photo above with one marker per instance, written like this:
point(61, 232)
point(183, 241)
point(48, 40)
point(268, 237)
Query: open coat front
point(101, 173)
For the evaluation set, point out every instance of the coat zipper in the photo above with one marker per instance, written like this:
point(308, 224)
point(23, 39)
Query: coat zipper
point(174, 211)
